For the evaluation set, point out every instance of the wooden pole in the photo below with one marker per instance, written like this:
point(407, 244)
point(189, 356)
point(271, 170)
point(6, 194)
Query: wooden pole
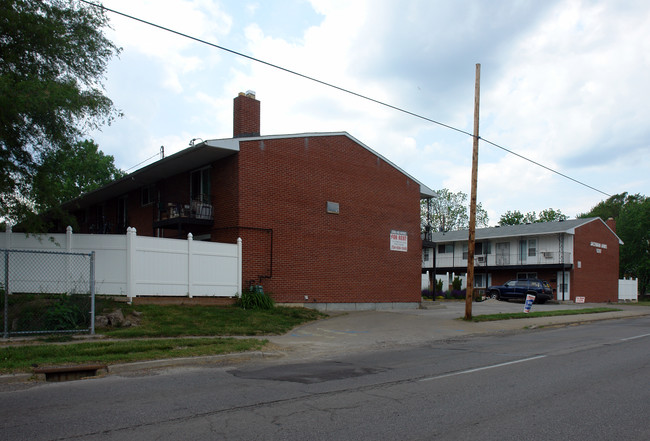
point(472, 203)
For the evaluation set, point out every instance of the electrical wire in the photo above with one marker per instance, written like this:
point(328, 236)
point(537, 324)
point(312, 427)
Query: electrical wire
point(140, 163)
point(342, 89)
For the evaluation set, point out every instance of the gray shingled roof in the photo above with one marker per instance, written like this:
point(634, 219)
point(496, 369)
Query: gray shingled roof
point(535, 229)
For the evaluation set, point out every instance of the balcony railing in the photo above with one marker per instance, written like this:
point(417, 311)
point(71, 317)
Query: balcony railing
point(513, 259)
point(199, 211)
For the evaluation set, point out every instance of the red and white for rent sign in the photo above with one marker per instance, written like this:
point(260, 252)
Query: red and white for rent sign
point(398, 240)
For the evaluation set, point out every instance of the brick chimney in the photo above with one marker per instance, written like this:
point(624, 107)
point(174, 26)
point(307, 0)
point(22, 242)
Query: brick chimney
point(611, 223)
point(246, 115)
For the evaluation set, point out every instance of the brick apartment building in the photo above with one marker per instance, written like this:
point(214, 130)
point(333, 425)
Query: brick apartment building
point(323, 218)
point(579, 257)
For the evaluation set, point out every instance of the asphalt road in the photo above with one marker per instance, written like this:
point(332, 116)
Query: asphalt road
point(582, 382)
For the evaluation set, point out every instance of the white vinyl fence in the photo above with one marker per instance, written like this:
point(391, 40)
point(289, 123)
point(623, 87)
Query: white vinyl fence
point(133, 265)
point(627, 290)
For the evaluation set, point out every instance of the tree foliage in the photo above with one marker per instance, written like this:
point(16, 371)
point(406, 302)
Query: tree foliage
point(632, 216)
point(65, 174)
point(516, 217)
point(613, 206)
point(53, 56)
point(448, 211)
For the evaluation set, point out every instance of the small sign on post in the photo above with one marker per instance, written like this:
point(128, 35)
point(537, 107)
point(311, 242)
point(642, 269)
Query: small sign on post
point(530, 298)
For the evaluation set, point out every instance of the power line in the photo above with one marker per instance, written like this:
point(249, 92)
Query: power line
point(342, 89)
point(142, 162)
point(543, 166)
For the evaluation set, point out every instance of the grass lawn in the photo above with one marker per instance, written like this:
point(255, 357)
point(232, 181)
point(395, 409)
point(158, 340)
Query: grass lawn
point(191, 320)
point(520, 315)
point(169, 331)
point(24, 358)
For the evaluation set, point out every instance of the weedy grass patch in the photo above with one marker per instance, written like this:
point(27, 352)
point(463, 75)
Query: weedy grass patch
point(521, 315)
point(25, 357)
point(195, 320)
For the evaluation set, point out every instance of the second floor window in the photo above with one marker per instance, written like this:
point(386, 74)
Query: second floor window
point(200, 185)
point(147, 195)
point(482, 248)
point(122, 213)
point(527, 248)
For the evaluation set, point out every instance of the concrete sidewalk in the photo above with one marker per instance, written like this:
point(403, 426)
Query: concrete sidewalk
point(373, 330)
point(357, 331)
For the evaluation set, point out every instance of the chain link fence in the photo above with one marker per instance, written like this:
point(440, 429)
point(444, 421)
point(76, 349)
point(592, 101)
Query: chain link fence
point(47, 292)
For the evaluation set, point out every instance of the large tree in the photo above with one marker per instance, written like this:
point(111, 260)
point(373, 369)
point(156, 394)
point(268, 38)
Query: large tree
point(516, 217)
point(612, 206)
point(53, 56)
point(448, 211)
point(632, 216)
point(65, 174)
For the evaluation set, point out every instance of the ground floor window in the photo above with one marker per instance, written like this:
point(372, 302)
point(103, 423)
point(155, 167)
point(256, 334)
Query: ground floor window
point(523, 276)
point(482, 280)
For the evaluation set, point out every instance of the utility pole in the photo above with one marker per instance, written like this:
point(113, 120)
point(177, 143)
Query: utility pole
point(469, 297)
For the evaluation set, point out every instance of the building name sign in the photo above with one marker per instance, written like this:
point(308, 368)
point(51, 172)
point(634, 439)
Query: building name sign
point(599, 245)
point(398, 240)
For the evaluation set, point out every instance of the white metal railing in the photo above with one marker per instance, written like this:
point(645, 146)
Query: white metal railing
point(513, 259)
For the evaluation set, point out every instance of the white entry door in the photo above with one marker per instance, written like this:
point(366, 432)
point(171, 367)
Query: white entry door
point(503, 253)
point(563, 285)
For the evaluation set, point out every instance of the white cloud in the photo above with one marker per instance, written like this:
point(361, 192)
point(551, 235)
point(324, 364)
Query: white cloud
point(563, 82)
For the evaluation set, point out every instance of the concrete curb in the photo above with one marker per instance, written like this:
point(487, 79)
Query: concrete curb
point(17, 378)
point(125, 368)
point(469, 328)
point(189, 361)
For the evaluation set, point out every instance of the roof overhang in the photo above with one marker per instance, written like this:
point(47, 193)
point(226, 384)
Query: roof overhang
point(514, 231)
point(188, 159)
point(198, 156)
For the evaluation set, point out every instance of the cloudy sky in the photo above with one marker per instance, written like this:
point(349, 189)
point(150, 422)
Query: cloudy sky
point(563, 83)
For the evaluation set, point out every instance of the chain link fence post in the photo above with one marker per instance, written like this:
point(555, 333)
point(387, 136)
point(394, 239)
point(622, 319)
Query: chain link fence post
point(6, 291)
point(92, 293)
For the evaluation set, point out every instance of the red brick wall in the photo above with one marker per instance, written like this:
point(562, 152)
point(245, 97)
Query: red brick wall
point(596, 277)
point(273, 194)
point(246, 116)
point(285, 184)
point(501, 277)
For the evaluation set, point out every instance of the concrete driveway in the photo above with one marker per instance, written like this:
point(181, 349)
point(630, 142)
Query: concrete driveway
point(375, 330)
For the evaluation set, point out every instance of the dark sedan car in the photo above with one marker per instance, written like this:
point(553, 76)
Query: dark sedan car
point(518, 289)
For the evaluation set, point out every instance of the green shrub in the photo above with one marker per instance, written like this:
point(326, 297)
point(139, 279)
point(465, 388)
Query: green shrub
point(439, 285)
point(456, 283)
point(67, 314)
point(255, 300)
